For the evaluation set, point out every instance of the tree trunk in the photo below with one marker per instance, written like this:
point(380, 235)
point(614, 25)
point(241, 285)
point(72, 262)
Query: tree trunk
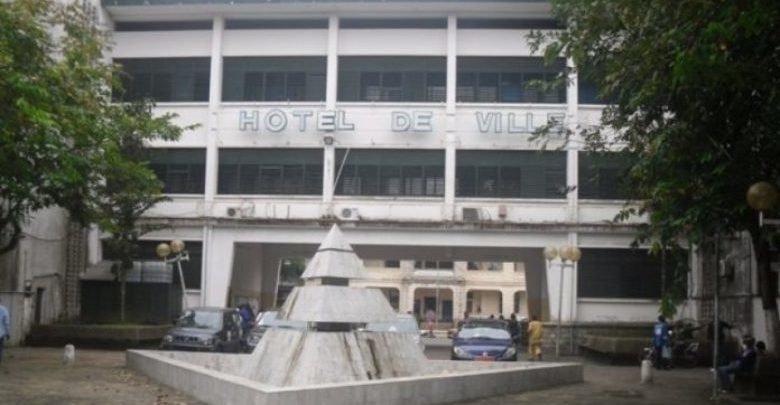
point(767, 286)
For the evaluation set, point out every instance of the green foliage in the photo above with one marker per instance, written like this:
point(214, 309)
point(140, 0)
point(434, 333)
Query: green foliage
point(696, 90)
point(62, 141)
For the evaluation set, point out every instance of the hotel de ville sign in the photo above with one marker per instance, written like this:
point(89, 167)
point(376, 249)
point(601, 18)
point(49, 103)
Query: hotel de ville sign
point(278, 120)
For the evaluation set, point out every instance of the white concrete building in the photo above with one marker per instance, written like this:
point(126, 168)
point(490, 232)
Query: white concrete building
point(409, 124)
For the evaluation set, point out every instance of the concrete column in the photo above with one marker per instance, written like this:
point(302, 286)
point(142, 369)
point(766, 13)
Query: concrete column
point(451, 127)
point(331, 84)
point(219, 268)
point(458, 302)
point(329, 177)
point(575, 142)
point(215, 98)
point(507, 301)
point(404, 302)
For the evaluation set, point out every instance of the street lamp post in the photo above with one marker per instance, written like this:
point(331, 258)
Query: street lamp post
point(569, 255)
point(179, 255)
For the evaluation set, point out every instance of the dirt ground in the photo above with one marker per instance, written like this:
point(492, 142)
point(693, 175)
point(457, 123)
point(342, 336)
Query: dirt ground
point(36, 376)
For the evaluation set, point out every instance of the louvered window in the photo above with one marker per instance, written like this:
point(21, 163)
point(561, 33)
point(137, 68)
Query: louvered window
point(418, 173)
point(602, 176)
point(182, 171)
point(270, 171)
point(392, 79)
point(164, 79)
point(510, 174)
point(508, 80)
point(621, 273)
point(274, 79)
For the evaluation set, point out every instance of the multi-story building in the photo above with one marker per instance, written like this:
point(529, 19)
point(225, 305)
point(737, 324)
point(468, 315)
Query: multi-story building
point(408, 123)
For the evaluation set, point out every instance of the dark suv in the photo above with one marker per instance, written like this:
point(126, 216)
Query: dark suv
point(208, 329)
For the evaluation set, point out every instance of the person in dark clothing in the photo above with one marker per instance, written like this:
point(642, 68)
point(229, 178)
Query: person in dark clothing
point(660, 340)
point(247, 318)
point(743, 364)
point(722, 343)
point(514, 328)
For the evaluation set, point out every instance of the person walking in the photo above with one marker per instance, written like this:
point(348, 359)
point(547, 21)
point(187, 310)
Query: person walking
point(514, 329)
point(5, 328)
point(660, 340)
point(430, 321)
point(535, 339)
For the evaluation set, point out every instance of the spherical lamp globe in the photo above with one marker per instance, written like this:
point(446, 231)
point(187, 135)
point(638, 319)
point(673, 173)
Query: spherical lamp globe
point(762, 196)
point(163, 250)
point(177, 246)
point(550, 253)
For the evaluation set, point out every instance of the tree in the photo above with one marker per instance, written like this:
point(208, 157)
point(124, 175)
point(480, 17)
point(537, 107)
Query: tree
point(694, 87)
point(129, 187)
point(63, 142)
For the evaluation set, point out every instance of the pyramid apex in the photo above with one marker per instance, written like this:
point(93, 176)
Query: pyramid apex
point(335, 258)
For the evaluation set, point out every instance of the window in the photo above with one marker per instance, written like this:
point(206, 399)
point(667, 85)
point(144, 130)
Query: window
point(602, 176)
point(434, 265)
point(518, 24)
point(274, 79)
point(146, 250)
point(392, 79)
point(508, 80)
point(276, 24)
point(621, 273)
point(510, 174)
point(393, 264)
point(182, 171)
point(418, 173)
point(164, 79)
point(374, 23)
point(270, 171)
point(120, 26)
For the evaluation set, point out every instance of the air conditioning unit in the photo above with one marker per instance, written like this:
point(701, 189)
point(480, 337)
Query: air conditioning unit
point(470, 214)
point(234, 212)
point(351, 214)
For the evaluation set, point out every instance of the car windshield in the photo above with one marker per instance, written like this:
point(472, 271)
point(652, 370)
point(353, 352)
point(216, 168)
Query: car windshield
point(269, 321)
point(483, 333)
point(403, 325)
point(201, 320)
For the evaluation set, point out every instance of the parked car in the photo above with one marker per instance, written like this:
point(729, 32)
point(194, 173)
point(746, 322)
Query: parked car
point(267, 321)
point(207, 329)
point(405, 324)
point(484, 340)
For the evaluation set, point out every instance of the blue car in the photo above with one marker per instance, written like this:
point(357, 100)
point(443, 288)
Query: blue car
point(483, 341)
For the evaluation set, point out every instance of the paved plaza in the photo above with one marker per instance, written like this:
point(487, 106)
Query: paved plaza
point(34, 376)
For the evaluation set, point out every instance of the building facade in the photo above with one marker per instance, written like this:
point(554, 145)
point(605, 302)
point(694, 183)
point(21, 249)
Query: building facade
point(408, 123)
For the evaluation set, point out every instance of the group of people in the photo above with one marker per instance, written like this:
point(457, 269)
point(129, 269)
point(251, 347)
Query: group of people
point(744, 363)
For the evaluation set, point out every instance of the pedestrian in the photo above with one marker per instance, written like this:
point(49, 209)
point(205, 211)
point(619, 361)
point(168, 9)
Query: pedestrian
point(5, 328)
point(534, 339)
point(743, 364)
point(761, 348)
point(247, 318)
point(660, 341)
point(514, 328)
point(430, 320)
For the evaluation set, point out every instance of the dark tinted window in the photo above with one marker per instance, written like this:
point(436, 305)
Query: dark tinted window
point(510, 174)
point(620, 273)
point(164, 79)
point(274, 79)
point(390, 172)
point(369, 23)
point(276, 24)
point(392, 78)
point(603, 176)
point(508, 80)
point(270, 171)
point(484, 23)
point(182, 171)
point(162, 25)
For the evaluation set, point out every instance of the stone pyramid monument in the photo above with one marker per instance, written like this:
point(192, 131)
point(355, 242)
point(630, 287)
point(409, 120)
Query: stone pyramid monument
point(334, 348)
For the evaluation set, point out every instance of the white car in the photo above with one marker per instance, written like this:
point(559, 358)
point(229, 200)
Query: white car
point(406, 324)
